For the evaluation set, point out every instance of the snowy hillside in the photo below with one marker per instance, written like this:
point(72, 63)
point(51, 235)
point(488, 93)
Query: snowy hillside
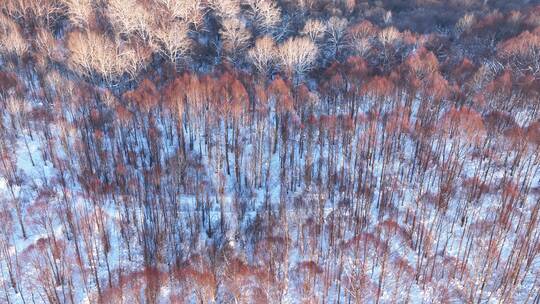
point(257, 151)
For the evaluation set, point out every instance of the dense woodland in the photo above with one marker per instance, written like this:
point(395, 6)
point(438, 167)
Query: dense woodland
point(263, 151)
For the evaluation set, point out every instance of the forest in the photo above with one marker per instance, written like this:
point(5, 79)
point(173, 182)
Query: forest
point(269, 151)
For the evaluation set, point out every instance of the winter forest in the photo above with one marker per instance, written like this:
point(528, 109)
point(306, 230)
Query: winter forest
point(269, 151)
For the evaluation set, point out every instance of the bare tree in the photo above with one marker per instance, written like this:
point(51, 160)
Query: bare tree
point(265, 15)
point(335, 31)
point(79, 12)
point(297, 55)
point(191, 11)
point(314, 29)
point(389, 41)
point(225, 8)
point(11, 40)
point(174, 40)
point(263, 54)
point(48, 46)
point(522, 52)
point(235, 38)
point(129, 17)
point(464, 24)
point(389, 36)
point(93, 54)
point(132, 56)
point(361, 36)
point(42, 12)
